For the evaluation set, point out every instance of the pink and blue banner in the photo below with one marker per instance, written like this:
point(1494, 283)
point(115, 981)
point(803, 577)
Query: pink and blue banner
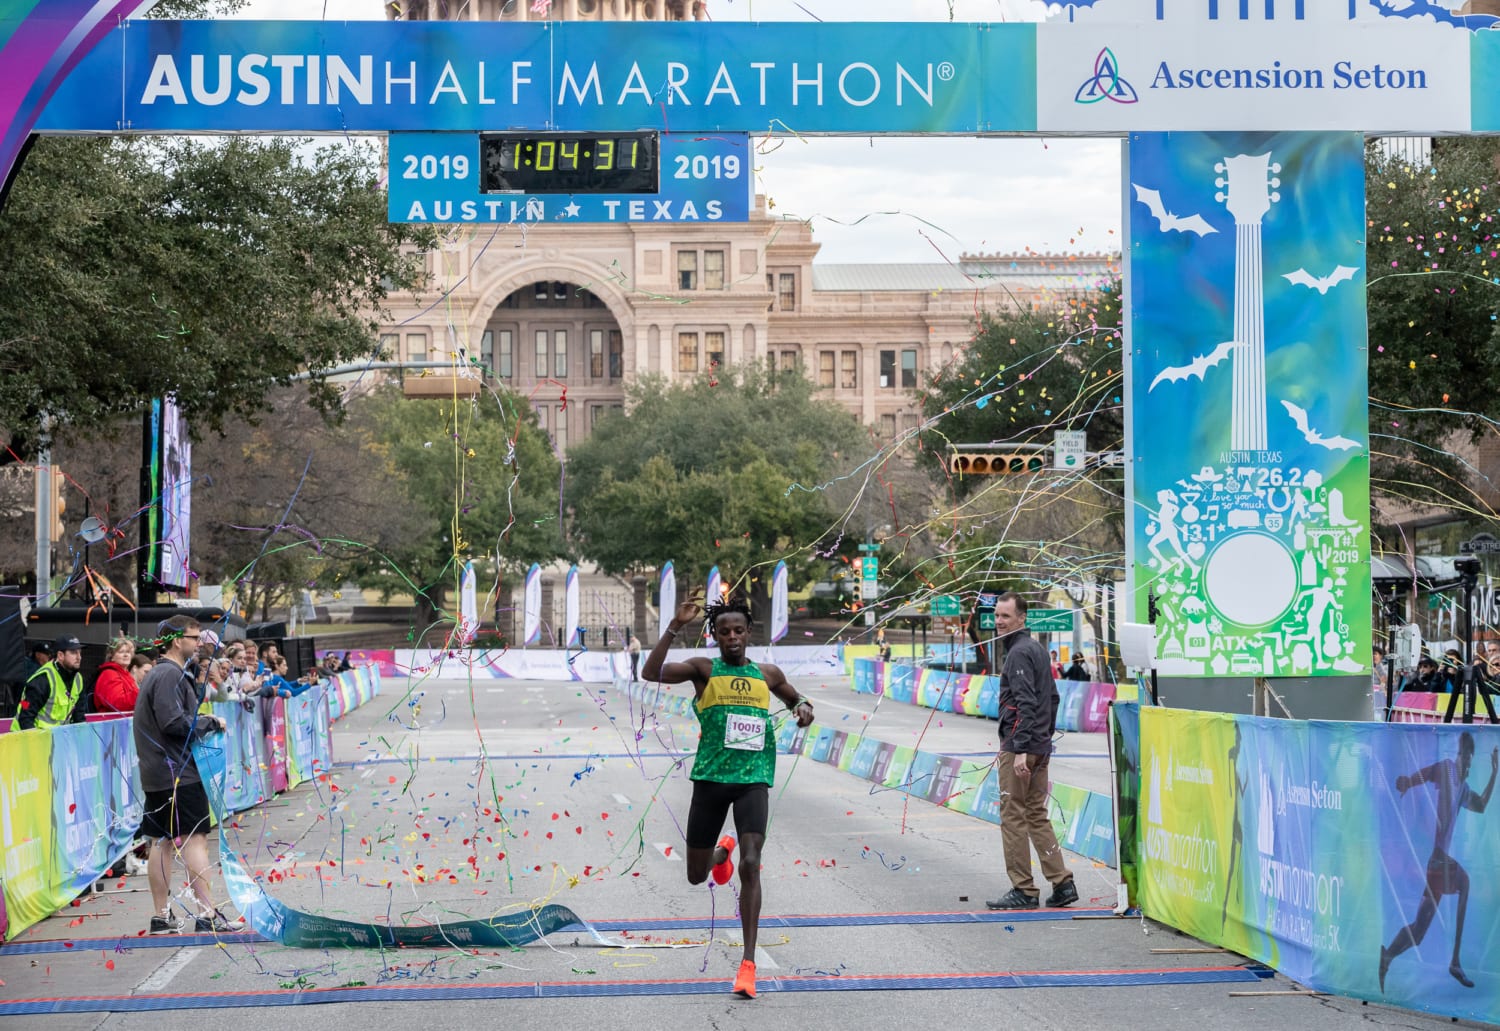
point(1355, 858)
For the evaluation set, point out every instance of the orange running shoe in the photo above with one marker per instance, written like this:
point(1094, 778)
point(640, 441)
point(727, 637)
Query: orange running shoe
point(722, 872)
point(744, 981)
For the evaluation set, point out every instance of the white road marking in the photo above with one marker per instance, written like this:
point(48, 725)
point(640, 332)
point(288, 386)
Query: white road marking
point(621, 799)
point(763, 959)
point(168, 970)
point(662, 847)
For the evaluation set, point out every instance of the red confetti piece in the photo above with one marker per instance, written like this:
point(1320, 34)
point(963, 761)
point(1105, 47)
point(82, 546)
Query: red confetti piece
point(109, 964)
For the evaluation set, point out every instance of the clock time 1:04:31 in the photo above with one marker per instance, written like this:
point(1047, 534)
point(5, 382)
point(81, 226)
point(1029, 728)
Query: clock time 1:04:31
point(568, 162)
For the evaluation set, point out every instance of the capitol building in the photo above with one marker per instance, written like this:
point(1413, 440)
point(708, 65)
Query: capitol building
point(568, 314)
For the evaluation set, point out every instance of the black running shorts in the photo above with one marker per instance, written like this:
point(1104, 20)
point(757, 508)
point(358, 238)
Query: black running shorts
point(176, 812)
point(711, 804)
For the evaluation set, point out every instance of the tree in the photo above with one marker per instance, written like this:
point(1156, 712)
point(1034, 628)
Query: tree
point(724, 470)
point(212, 271)
point(479, 475)
point(1434, 294)
point(1026, 374)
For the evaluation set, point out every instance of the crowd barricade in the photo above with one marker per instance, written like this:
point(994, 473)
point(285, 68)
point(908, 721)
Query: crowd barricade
point(71, 799)
point(1081, 706)
point(1313, 846)
point(1084, 820)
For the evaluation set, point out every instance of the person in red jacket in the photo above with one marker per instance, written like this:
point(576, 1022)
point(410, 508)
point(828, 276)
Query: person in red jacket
point(115, 690)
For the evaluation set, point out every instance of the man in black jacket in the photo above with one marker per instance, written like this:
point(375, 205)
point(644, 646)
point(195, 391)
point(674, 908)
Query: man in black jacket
point(1028, 717)
point(177, 814)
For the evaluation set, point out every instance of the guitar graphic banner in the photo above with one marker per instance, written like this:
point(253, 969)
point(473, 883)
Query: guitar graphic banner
point(1249, 504)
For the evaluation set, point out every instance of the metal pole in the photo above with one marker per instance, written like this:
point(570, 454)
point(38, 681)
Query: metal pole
point(44, 474)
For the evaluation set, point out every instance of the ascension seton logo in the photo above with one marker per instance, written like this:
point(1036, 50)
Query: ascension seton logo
point(1106, 83)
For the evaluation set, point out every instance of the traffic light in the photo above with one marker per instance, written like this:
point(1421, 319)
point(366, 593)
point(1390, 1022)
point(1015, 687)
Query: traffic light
point(996, 463)
point(58, 504)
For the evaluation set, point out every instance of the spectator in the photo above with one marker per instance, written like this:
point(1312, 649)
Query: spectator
point(344, 664)
point(1426, 678)
point(331, 664)
point(1076, 670)
point(39, 655)
point(284, 687)
point(54, 694)
point(140, 665)
point(252, 658)
point(176, 810)
point(1028, 719)
point(115, 689)
point(634, 648)
point(1057, 666)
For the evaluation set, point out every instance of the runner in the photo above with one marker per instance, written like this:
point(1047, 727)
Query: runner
point(1444, 874)
point(736, 760)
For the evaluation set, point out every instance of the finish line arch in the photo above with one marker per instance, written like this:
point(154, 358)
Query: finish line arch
point(1243, 180)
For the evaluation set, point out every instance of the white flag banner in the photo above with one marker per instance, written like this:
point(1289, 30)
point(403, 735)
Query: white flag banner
point(571, 625)
point(531, 611)
point(468, 606)
point(668, 597)
point(712, 596)
point(778, 603)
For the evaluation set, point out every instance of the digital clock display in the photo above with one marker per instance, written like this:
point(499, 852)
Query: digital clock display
point(533, 163)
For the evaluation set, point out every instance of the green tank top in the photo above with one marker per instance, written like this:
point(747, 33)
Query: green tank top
point(737, 745)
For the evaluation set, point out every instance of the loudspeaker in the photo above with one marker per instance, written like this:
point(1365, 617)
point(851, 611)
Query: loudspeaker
point(12, 636)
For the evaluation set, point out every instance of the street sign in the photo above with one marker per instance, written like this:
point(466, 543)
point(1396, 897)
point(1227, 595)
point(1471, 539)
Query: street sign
point(870, 564)
point(869, 546)
point(1480, 544)
point(869, 590)
point(1069, 450)
point(1050, 621)
point(946, 605)
point(987, 619)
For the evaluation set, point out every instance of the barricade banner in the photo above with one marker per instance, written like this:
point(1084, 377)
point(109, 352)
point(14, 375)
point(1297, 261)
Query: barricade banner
point(1069, 703)
point(1125, 760)
point(242, 781)
point(120, 775)
point(1352, 857)
point(26, 835)
point(1095, 715)
point(79, 819)
point(309, 751)
point(276, 746)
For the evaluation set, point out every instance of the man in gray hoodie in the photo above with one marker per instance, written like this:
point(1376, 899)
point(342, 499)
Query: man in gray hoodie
point(177, 815)
point(1028, 718)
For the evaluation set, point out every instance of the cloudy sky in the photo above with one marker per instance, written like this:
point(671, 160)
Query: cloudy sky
point(914, 199)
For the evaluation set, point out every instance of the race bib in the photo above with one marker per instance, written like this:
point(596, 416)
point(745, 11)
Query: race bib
point(747, 733)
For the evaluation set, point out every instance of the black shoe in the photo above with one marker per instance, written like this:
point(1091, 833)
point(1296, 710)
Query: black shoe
point(1065, 894)
point(1016, 899)
point(218, 924)
point(162, 925)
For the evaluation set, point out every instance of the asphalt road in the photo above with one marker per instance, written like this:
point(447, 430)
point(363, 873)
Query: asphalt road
point(459, 801)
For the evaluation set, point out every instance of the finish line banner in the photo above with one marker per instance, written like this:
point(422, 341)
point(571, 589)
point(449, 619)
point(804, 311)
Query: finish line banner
point(1246, 280)
point(1355, 858)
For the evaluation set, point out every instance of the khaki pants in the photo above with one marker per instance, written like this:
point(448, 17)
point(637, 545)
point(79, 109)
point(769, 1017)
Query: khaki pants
point(1023, 819)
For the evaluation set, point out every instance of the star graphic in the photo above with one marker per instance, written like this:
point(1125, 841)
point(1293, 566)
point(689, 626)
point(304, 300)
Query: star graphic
point(572, 210)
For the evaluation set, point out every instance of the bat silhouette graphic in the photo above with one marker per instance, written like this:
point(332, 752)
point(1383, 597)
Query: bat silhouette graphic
point(1169, 222)
point(1312, 436)
point(1197, 367)
point(1302, 277)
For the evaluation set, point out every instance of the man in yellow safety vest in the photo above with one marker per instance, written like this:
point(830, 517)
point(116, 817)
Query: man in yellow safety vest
point(54, 694)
